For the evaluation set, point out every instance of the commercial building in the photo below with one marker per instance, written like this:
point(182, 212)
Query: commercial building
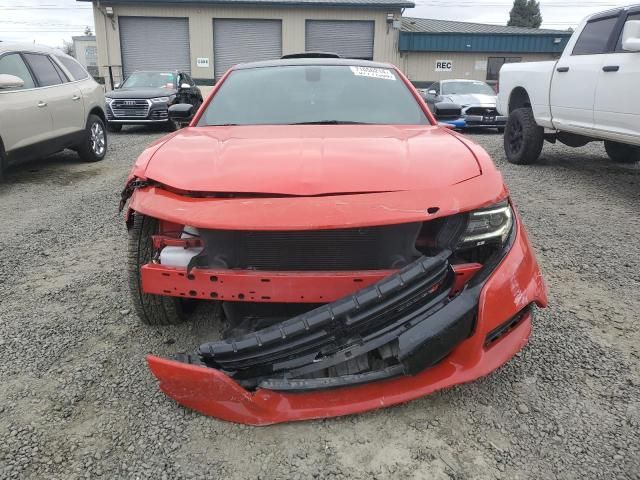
point(206, 37)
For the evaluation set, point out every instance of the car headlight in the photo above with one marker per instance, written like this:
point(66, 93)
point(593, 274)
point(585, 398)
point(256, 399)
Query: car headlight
point(108, 100)
point(163, 99)
point(488, 225)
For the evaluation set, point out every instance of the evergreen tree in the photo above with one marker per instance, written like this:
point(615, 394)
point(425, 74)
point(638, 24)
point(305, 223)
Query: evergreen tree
point(525, 13)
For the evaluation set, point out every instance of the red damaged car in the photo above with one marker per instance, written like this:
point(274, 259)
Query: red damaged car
point(360, 254)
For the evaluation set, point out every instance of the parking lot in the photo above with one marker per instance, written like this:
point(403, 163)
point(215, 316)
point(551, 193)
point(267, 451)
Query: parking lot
point(78, 401)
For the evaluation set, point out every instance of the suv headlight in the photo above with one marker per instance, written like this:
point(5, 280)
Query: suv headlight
point(488, 225)
point(168, 99)
point(108, 100)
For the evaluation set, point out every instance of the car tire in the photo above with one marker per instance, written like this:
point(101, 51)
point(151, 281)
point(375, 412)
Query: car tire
point(621, 152)
point(523, 138)
point(114, 127)
point(93, 147)
point(171, 126)
point(3, 162)
point(151, 309)
point(500, 130)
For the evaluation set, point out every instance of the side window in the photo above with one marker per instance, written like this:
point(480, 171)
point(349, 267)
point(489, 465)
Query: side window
point(63, 76)
point(44, 70)
point(634, 16)
point(13, 64)
point(595, 37)
point(76, 70)
point(495, 63)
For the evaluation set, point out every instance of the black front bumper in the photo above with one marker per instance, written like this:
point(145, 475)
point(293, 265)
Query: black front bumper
point(156, 113)
point(405, 323)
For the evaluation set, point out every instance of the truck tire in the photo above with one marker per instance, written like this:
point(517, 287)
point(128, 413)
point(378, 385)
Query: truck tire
point(523, 138)
point(621, 152)
point(93, 146)
point(151, 309)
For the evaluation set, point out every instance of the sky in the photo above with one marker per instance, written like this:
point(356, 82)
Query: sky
point(50, 22)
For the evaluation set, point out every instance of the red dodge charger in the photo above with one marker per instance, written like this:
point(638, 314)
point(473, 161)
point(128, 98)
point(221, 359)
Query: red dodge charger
point(359, 254)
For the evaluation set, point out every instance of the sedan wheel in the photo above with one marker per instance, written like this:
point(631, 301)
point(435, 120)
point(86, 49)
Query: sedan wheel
point(94, 146)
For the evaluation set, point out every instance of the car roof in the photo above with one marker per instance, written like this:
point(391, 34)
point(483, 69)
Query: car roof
point(288, 62)
point(30, 47)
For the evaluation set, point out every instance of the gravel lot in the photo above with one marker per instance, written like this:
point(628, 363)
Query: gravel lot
point(77, 400)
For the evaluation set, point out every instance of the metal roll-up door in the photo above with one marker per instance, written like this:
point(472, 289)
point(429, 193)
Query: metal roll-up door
point(154, 43)
point(347, 38)
point(238, 41)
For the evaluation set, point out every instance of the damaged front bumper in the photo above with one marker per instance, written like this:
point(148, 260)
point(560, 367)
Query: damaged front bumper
point(398, 339)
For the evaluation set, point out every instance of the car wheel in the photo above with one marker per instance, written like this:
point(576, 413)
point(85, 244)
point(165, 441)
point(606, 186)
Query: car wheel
point(621, 152)
point(94, 145)
point(171, 126)
point(114, 127)
point(500, 129)
point(523, 138)
point(3, 162)
point(151, 309)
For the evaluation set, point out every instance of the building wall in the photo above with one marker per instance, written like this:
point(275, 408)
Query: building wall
point(80, 48)
point(421, 66)
point(385, 48)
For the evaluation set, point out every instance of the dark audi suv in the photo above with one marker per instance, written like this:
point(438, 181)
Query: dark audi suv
point(145, 97)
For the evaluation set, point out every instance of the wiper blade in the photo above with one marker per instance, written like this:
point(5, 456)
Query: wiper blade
point(330, 122)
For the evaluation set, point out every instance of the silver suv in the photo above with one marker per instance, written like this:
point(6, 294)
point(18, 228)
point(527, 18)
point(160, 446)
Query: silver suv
point(48, 102)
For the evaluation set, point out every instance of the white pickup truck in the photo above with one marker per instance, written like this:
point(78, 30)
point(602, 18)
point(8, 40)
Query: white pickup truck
point(591, 93)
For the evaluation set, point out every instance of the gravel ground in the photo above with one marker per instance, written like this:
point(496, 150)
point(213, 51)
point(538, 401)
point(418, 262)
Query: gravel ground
point(77, 400)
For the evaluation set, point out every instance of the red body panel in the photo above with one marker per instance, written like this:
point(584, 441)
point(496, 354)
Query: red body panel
point(513, 285)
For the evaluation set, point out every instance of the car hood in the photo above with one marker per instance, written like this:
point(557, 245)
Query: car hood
point(472, 99)
point(140, 93)
point(311, 160)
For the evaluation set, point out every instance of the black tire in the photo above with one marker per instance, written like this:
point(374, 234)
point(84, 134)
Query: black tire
point(523, 138)
point(151, 309)
point(500, 129)
point(621, 152)
point(3, 162)
point(93, 147)
point(114, 127)
point(171, 126)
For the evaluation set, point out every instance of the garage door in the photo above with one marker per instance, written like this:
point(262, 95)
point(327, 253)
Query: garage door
point(238, 41)
point(350, 39)
point(154, 43)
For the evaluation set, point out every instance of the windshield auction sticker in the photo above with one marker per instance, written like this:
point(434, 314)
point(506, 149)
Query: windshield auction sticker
point(373, 72)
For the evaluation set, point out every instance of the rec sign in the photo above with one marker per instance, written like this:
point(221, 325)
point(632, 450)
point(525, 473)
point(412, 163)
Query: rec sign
point(444, 65)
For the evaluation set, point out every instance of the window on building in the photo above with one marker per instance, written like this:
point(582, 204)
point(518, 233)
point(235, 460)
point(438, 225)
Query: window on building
point(495, 63)
point(44, 70)
point(595, 37)
point(13, 64)
point(74, 68)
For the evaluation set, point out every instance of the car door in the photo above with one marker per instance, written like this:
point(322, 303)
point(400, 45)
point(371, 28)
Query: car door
point(63, 97)
point(617, 105)
point(25, 118)
point(574, 83)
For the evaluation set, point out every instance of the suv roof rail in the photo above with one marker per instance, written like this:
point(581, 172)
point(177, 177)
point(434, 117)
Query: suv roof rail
point(310, 55)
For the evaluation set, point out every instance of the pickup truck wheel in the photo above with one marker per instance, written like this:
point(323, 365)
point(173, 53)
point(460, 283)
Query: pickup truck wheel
point(151, 309)
point(93, 147)
point(523, 138)
point(621, 152)
point(114, 127)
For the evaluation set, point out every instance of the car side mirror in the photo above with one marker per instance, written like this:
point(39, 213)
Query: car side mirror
point(181, 112)
point(10, 81)
point(631, 36)
point(433, 92)
point(185, 86)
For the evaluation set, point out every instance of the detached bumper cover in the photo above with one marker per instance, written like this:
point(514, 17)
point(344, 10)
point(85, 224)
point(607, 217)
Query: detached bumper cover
point(433, 342)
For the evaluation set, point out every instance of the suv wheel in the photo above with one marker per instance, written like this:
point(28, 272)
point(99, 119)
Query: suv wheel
point(621, 152)
point(94, 145)
point(523, 138)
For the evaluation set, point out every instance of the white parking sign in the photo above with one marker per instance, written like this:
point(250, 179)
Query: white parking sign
point(444, 65)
